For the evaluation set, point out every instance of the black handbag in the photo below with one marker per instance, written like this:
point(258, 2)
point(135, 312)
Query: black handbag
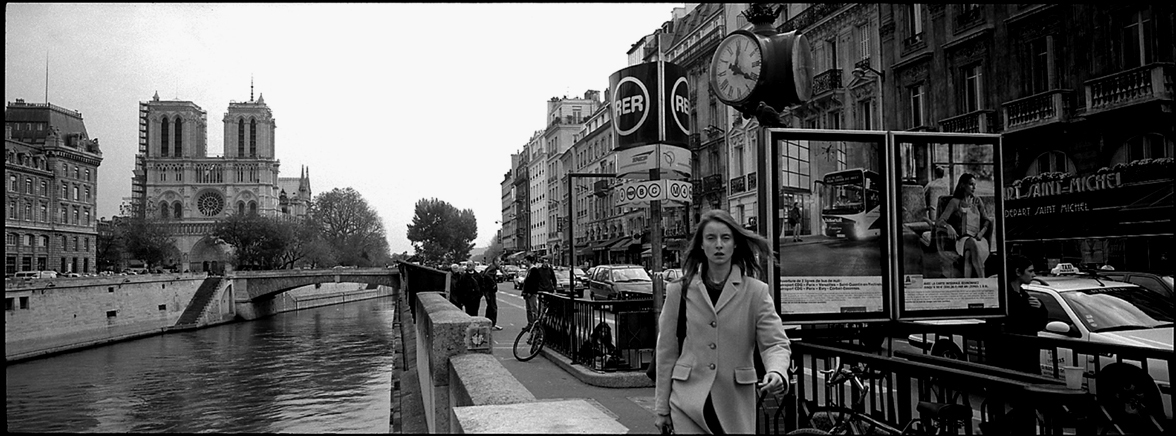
point(651, 372)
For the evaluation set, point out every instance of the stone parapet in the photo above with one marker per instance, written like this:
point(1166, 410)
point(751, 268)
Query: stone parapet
point(481, 380)
point(443, 331)
point(576, 416)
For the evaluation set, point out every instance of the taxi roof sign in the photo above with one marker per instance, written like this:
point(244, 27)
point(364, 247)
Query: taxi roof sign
point(1064, 268)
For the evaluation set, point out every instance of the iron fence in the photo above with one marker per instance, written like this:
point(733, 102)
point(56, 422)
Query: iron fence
point(631, 333)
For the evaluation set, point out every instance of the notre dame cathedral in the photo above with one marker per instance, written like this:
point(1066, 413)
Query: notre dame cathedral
point(177, 181)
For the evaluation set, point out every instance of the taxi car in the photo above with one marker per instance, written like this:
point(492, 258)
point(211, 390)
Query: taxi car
point(617, 282)
point(1098, 310)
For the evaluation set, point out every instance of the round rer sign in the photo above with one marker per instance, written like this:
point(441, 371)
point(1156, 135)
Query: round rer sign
point(627, 102)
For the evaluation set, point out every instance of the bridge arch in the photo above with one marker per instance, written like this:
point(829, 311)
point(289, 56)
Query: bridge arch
point(260, 285)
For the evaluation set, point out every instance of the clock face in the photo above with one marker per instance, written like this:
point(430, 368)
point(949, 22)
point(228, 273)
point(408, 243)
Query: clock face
point(736, 68)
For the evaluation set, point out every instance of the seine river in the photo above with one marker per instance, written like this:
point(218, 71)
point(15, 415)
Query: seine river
point(322, 370)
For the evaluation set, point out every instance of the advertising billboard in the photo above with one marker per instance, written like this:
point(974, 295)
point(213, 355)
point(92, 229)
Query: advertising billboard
point(865, 219)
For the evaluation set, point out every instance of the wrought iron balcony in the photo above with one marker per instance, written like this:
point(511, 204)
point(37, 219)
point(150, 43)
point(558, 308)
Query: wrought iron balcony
point(752, 182)
point(1037, 110)
point(971, 122)
point(827, 81)
point(713, 182)
point(1135, 86)
point(738, 185)
point(695, 141)
point(696, 187)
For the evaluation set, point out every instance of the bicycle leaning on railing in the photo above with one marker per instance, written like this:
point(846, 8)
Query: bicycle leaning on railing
point(530, 341)
point(836, 419)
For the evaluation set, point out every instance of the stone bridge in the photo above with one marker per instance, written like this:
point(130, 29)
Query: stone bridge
point(260, 285)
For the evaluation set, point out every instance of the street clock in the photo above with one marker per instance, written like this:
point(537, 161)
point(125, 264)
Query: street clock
point(762, 65)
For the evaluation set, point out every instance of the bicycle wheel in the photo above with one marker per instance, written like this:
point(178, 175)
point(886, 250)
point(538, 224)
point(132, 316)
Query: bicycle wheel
point(808, 431)
point(529, 342)
point(835, 420)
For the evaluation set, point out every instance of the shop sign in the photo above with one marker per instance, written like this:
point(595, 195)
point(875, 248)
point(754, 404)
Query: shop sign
point(1064, 184)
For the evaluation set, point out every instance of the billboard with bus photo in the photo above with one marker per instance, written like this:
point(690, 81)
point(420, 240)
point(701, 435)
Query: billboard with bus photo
point(831, 212)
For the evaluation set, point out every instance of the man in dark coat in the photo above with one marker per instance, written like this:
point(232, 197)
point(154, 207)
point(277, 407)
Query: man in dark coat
point(455, 295)
point(540, 278)
point(489, 286)
point(470, 290)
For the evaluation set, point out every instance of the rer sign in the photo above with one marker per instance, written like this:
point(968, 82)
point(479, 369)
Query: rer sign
point(651, 105)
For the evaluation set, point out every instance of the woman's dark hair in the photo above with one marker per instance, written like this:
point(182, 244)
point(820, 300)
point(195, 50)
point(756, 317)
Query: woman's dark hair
point(961, 190)
point(747, 246)
point(1016, 263)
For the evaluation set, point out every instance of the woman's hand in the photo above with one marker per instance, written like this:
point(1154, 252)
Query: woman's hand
point(773, 383)
point(951, 233)
point(663, 421)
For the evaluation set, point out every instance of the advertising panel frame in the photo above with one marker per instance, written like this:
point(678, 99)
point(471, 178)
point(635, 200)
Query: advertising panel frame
point(894, 291)
point(997, 237)
point(773, 137)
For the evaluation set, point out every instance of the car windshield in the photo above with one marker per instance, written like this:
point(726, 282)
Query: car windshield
point(630, 275)
point(1111, 309)
point(579, 272)
point(562, 275)
point(1168, 280)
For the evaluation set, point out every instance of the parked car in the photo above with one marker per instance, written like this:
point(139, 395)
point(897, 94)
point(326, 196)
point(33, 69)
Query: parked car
point(565, 284)
point(29, 275)
point(1160, 284)
point(509, 271)
point(670, 275)
point(518, 280)
point(1097, 310)
point(613, 282)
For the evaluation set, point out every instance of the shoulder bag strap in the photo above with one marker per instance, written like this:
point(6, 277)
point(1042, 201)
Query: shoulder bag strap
point(682, 319)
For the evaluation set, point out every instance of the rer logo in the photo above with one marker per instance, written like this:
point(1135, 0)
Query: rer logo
point(630, 105)
point(680, 95)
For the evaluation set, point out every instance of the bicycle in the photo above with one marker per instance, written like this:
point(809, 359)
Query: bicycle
point(835, 419)
point(534, 333)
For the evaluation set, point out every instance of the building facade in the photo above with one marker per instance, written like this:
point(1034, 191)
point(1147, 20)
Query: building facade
point(506, 232)
point(191, 191)
point(51, 168)
point(566, 117)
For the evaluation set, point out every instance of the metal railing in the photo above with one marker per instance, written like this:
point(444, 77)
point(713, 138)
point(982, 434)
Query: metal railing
point(570, 325)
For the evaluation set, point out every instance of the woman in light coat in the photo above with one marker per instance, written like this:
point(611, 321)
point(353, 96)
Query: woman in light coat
point(709, 385)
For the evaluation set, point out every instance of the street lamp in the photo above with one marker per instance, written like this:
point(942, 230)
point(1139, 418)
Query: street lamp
point(859, 73)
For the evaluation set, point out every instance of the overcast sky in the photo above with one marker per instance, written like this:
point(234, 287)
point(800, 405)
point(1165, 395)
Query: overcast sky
point(399, 101)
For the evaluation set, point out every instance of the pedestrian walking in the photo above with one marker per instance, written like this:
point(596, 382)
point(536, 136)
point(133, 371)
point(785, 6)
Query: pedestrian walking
point(455, 296)
point(540, 278)
point(471, 290)
point(794, 221)
point(490, 291)
point(708, 386)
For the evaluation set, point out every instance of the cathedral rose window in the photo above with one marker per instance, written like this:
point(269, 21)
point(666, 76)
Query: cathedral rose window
point(210, 203)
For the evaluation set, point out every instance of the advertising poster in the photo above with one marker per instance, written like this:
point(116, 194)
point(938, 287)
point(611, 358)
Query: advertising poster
point(950, 235)
point(831, 219)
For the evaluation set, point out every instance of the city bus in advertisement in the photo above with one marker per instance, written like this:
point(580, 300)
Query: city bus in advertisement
point(851, 203)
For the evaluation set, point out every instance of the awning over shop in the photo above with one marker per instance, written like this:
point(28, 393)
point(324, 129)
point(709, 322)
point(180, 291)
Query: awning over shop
point(622, 244)
point(584, 250)
point(609, 243)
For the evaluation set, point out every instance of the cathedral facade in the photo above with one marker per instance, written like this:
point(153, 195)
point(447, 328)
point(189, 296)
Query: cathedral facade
point(181, 185)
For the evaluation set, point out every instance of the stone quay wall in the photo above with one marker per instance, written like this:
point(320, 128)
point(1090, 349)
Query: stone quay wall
point(49, 316)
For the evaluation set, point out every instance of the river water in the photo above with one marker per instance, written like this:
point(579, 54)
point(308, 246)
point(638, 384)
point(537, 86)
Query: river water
point(321, 370)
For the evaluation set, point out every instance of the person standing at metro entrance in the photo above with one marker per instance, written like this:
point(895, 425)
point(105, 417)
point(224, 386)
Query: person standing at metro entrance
point(1027, 316)
point(489, 287)
point(708, 386)
point(540, 278)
